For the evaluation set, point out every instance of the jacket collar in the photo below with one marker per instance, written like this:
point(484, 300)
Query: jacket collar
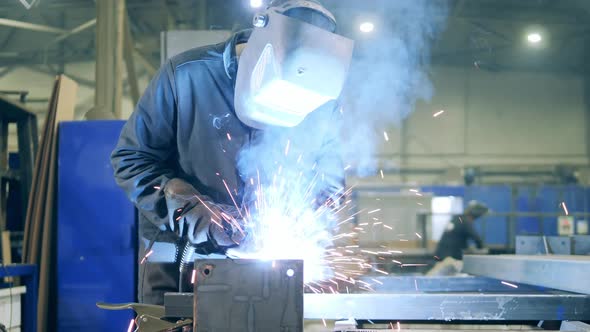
point(230, 59)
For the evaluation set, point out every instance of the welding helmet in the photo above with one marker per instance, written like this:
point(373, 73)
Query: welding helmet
point(476, 209)
point(292, 64)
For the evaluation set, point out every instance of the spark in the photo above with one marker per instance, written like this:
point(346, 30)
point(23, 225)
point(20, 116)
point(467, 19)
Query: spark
point(380, 271)
point(324, 321)
point(388, 227)
point(419, 194)
point(565, 208)
point(377, 281)
point(228, 137)
point(147, 255)
point(299, 158)
point(414, 190)
point(382, 175)
point(386, 136)
point(194, 277)
point(252, 181)
point(131, 325)
point(418, 235)
point(376, 210)
point(370, 252)
point(397, 262)
point(287, 147)
point(509, 284)
point(416, 284)
point(438, 113)
point(398, 326)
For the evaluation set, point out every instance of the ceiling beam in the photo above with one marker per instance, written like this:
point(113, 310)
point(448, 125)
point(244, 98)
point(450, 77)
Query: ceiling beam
point(30, 26)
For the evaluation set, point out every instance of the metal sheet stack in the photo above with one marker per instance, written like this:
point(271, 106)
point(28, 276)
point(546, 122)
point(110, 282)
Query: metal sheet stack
point(39, 223)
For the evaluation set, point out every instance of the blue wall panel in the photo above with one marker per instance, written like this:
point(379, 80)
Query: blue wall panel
point(95, 230)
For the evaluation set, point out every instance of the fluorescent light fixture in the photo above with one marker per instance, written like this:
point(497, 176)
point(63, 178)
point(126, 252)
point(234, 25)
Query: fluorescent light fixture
point(534, 38)
point(367, 27)
point(255, 3)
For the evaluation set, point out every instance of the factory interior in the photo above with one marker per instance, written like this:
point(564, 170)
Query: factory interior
point(294, 165)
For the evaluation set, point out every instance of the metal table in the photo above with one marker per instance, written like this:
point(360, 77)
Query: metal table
point(568, 273)
point(449, 298)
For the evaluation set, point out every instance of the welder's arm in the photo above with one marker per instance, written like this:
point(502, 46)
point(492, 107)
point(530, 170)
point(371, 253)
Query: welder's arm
point(142, 158)
point(472, 234)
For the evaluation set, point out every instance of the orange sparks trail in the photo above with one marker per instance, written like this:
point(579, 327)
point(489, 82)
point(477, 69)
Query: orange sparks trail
point(509, 284)
point(149, 253)
point(565, 208)
point(438, 113)
point(131, 325)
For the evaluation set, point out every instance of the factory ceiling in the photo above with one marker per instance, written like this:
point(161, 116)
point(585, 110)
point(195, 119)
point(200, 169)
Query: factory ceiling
point(487, 34)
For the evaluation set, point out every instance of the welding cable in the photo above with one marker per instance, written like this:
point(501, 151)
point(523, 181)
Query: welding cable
point(184, 258)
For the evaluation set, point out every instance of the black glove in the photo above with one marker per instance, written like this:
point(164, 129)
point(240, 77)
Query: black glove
point(202, 219)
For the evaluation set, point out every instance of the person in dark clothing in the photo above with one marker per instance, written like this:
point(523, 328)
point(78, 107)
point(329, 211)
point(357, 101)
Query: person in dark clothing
point(456, 238)
point(177, 154)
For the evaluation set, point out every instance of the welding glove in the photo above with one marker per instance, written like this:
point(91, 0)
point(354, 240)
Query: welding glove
point(203, 220)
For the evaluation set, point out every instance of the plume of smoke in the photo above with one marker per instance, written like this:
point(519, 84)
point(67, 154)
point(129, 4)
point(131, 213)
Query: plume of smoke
point(389, 75)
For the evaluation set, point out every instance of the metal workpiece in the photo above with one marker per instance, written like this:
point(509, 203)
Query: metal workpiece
point(447, 307)
point(567, 273)
point(422, 284)
point(248, 295)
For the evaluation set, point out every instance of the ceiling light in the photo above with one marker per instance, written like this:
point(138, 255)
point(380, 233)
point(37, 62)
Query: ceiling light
point(367, 27)
point(534, 38)
point(255, 3)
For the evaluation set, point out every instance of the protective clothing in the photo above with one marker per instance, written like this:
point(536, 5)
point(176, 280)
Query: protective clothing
point(185, 127)
point(459, 231)
point(289, 68)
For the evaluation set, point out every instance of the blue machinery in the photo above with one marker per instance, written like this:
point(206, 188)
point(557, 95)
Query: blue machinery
point(96, 237)
point(96, 232)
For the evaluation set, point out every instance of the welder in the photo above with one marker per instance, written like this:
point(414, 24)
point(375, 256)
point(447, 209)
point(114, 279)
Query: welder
point(177, 154)
point(455, 239)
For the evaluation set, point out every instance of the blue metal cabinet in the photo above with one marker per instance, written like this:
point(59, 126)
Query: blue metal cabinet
point(96, 235)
